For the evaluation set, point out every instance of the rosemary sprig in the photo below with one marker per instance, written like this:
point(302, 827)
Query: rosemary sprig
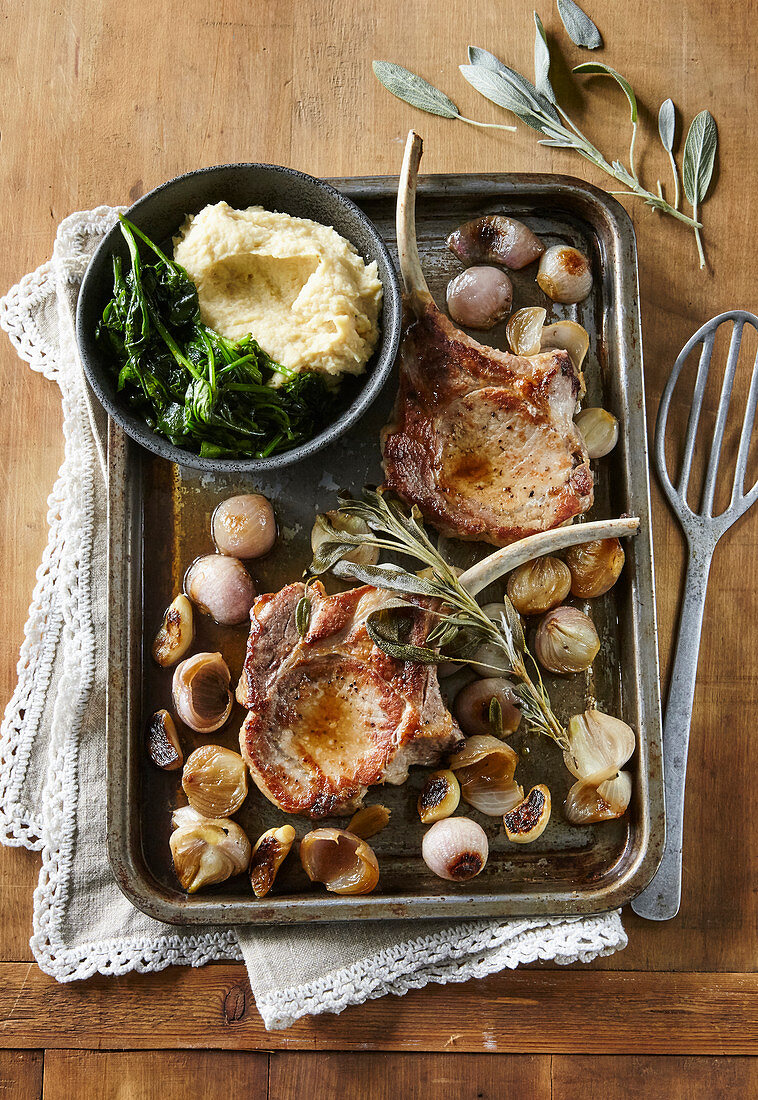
point(395, 530)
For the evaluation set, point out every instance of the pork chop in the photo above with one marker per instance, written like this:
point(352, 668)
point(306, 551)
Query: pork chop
point(482, 441)
point(330, 713)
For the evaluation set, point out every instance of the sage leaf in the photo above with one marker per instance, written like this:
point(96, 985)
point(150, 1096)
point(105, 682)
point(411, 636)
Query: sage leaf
point(387, 629)
point(303, 616)
point(596, 68)
point(391, 577)
point(667, 124)
point(514, 626)
point(579, 27)
point(699, 155)
point(542, 61)
point(535, 100)
point(494, 87)
point(413, 89)
point(328, 554)
point(496, 717)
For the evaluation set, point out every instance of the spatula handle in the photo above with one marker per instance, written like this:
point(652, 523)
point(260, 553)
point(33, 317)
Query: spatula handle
point(660, 900)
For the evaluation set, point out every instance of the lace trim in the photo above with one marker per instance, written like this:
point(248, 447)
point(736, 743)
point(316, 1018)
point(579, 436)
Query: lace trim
point(456, 955)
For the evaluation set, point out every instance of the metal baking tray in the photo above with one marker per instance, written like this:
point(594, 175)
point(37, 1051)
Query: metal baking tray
point(159, 522)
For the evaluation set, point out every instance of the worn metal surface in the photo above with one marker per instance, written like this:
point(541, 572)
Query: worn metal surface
point(660, 900)
point(159, 522)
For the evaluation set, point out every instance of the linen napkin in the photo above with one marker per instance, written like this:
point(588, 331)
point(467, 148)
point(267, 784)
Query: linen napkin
point(52, 772)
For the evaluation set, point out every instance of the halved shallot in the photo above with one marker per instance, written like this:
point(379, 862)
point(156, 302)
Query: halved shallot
point(343, 862)
point(269, 853)
point(525, 822)
point(439, 797)
point(484, 767)
point(201, 692)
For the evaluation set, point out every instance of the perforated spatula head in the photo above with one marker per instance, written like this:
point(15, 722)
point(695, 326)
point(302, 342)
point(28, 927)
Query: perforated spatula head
point(702, 522)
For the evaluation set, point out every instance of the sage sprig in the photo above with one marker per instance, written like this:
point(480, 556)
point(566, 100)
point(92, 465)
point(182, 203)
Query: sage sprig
point(460, 620)
point(537, 107)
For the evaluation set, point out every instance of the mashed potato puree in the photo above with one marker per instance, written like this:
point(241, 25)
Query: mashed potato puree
point(300, 288)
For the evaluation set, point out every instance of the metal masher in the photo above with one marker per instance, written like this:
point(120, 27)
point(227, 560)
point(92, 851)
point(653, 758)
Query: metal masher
point(660, 900)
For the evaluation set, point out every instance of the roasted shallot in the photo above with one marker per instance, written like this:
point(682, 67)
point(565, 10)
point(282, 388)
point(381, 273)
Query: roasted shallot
point(455, 849)
point(566, 336)
point(175, 634)
point(221, 587)
point(201, 692)
point(439, 796)
point(208, 851)
point(343, 862)
point(321, 533)
point(539, 585)
point(485, 702)
point(479, 297)
point(598, 747)
point(244, 526)
point(565, 274)
point(600, 431)
point(524, 330)
point(368, 821)
point(599, 797)
point(163, 746)
point(495, 239)
point(595, 567)
point(215, 781)
point(269, 853)
point(484, 767)
point(525, 822)
point(566, 641)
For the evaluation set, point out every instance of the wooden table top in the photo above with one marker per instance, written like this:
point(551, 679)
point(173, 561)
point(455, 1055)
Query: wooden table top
point(102, 102)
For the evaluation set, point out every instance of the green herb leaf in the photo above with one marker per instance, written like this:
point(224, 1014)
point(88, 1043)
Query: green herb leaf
point(533, 100)
point(303, 616)
point(579, 27)
point(596, 68)
point(667, 124)
point(386, 576)
point(413, 89)
point(492, 86)
point(542, 61)
point(388, 628)
point(496, 717)
point(699, 155)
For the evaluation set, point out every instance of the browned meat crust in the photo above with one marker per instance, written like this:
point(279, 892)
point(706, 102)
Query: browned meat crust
point(330, 713)
point(483, 441)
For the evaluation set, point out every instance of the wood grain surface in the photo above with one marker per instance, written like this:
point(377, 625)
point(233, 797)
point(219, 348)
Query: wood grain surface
point(101, 102)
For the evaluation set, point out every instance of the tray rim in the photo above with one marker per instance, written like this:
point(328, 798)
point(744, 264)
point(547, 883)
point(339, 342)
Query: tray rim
point(124, 848)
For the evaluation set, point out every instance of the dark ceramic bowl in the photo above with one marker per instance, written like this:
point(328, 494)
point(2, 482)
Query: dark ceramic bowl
point(160, 214)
